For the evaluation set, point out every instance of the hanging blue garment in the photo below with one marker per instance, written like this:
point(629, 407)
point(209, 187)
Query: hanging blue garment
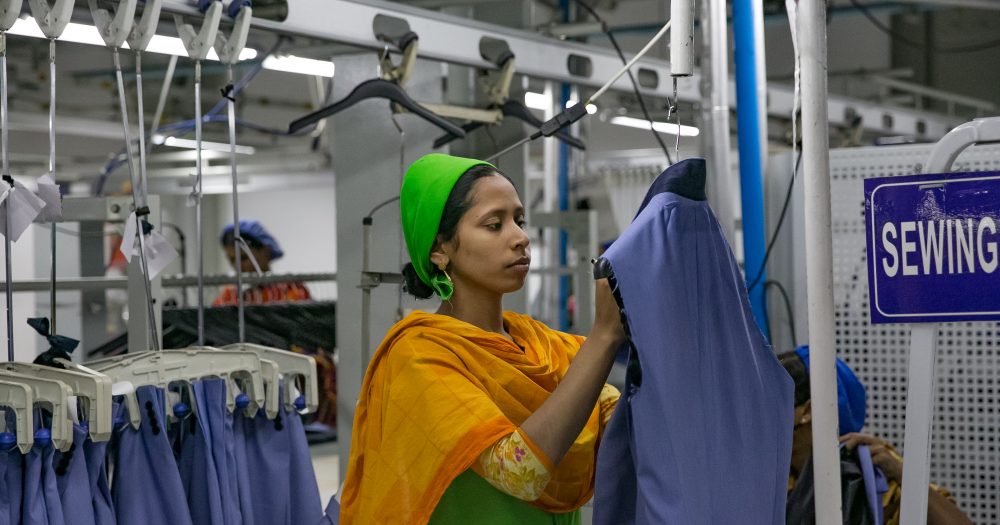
point(244, 486)
point(146, 488)
point(73, 480)
point(97, 477)
point(332, 516)
point(706, 401)
point(208, 459)
point(282, 480)
point(40, 503)
point(11, 470)
point(874, 486)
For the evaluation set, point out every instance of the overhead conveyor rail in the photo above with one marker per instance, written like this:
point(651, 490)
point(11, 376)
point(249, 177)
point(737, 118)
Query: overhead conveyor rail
point(456, 40)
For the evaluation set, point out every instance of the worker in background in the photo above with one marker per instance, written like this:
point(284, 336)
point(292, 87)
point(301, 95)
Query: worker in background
point(263, 248)
point(851, 399)
point(472, 414)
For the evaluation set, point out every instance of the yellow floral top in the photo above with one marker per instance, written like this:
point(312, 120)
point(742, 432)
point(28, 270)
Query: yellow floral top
point(516, 466)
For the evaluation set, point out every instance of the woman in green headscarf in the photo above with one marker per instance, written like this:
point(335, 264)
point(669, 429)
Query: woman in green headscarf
point(472, 414)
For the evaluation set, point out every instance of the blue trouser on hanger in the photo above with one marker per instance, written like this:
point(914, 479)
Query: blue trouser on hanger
point(146, 488)
point(208, 459)
point(40, 498)
point(705, 401)
point(73, 481)
point(282, 480)
point(11, 470)
point(97, 474)
point(332, 516)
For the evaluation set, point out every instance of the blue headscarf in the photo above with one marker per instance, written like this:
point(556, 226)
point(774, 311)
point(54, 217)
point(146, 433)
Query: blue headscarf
point(851, 398)
point(251, 229)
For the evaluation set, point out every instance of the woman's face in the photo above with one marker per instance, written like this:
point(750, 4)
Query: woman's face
point(489, 252)
point(262, 255)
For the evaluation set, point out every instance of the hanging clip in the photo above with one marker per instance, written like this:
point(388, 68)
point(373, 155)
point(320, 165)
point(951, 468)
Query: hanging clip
point(52, 19)
point(199, 42)
point(113, 27)
point(144, 28)
point(9, 11)
point(229, 47)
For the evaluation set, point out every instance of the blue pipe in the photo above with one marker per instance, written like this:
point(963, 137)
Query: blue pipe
point(563, 185)
point(749, 140)
point(564, 319)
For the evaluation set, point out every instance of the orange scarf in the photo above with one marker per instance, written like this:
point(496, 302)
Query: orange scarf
point(437, 393)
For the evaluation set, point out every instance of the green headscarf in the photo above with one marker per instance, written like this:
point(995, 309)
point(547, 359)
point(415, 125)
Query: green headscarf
point(426, 188)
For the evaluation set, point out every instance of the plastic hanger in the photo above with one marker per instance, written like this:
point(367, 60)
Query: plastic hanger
point(52, 395)
point(161, 368)
point(94, 389)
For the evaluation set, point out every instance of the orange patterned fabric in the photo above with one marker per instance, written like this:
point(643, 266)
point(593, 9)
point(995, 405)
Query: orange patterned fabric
point(265, 293)
point(438, 392)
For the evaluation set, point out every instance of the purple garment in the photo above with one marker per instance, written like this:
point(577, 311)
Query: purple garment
point(208, 459)
point(872, 485)
point(332, 516)
point(706, 399)
point(97, 478)
point(40, 497)
point(146, 487)
point(11, 470)
point(73, 480)
point(279, 468)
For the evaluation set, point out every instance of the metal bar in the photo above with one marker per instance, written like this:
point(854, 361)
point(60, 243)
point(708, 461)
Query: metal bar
point(919, 411)
point(970, 4)
point(819, 259)
point(4, 154)
point(87, 284)
point(932, 93)
point(456, 40)
point(199, 234)
point(52, 172)
point(237, 239)
point(123, 106)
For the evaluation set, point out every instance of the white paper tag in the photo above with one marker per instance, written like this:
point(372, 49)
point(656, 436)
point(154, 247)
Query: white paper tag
point(48, 191)
point(24, 207)
point(159, 253)
point(128, 238)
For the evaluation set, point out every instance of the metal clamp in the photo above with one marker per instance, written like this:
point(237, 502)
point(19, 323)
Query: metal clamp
point(52, 19)
point(371, 280)
point(9, 11)
point(199, 42)
point(113, 27)
point(229, 47)
point(144, 29)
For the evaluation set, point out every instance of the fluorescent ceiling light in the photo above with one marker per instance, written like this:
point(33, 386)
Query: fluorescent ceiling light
point(537, 101)
point(205, 145)
point(590, 107)
point(304, 66)
point(662, 127)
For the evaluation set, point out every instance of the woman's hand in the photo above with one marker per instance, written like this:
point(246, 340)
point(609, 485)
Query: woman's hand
point(882, 455)
point(607, 319)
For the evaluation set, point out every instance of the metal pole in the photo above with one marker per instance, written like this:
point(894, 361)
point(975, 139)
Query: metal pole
point(717, 38)
point(199, 235)
point(819, 260)
point(366, 295)
point(6, 204)
point(237, 239)
point(123, 106)
point(52, 171)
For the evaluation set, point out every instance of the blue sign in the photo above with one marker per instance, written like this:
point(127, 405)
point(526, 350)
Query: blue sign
point(933, 247)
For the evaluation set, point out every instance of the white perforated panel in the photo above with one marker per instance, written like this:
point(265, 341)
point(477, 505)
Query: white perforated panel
point(965, 452)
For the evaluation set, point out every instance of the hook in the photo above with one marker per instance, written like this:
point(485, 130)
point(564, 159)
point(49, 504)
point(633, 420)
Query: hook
point(144, 29)
point(230, 47)
point(199, 42)
point(9, 11)
point(51, 19)
point(115, 28)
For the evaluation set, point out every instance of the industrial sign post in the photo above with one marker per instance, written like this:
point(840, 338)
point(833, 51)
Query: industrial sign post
point(933, 256)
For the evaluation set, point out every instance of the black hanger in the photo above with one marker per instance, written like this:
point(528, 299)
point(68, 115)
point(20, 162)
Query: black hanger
point(514, 109)
point(377, 88)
